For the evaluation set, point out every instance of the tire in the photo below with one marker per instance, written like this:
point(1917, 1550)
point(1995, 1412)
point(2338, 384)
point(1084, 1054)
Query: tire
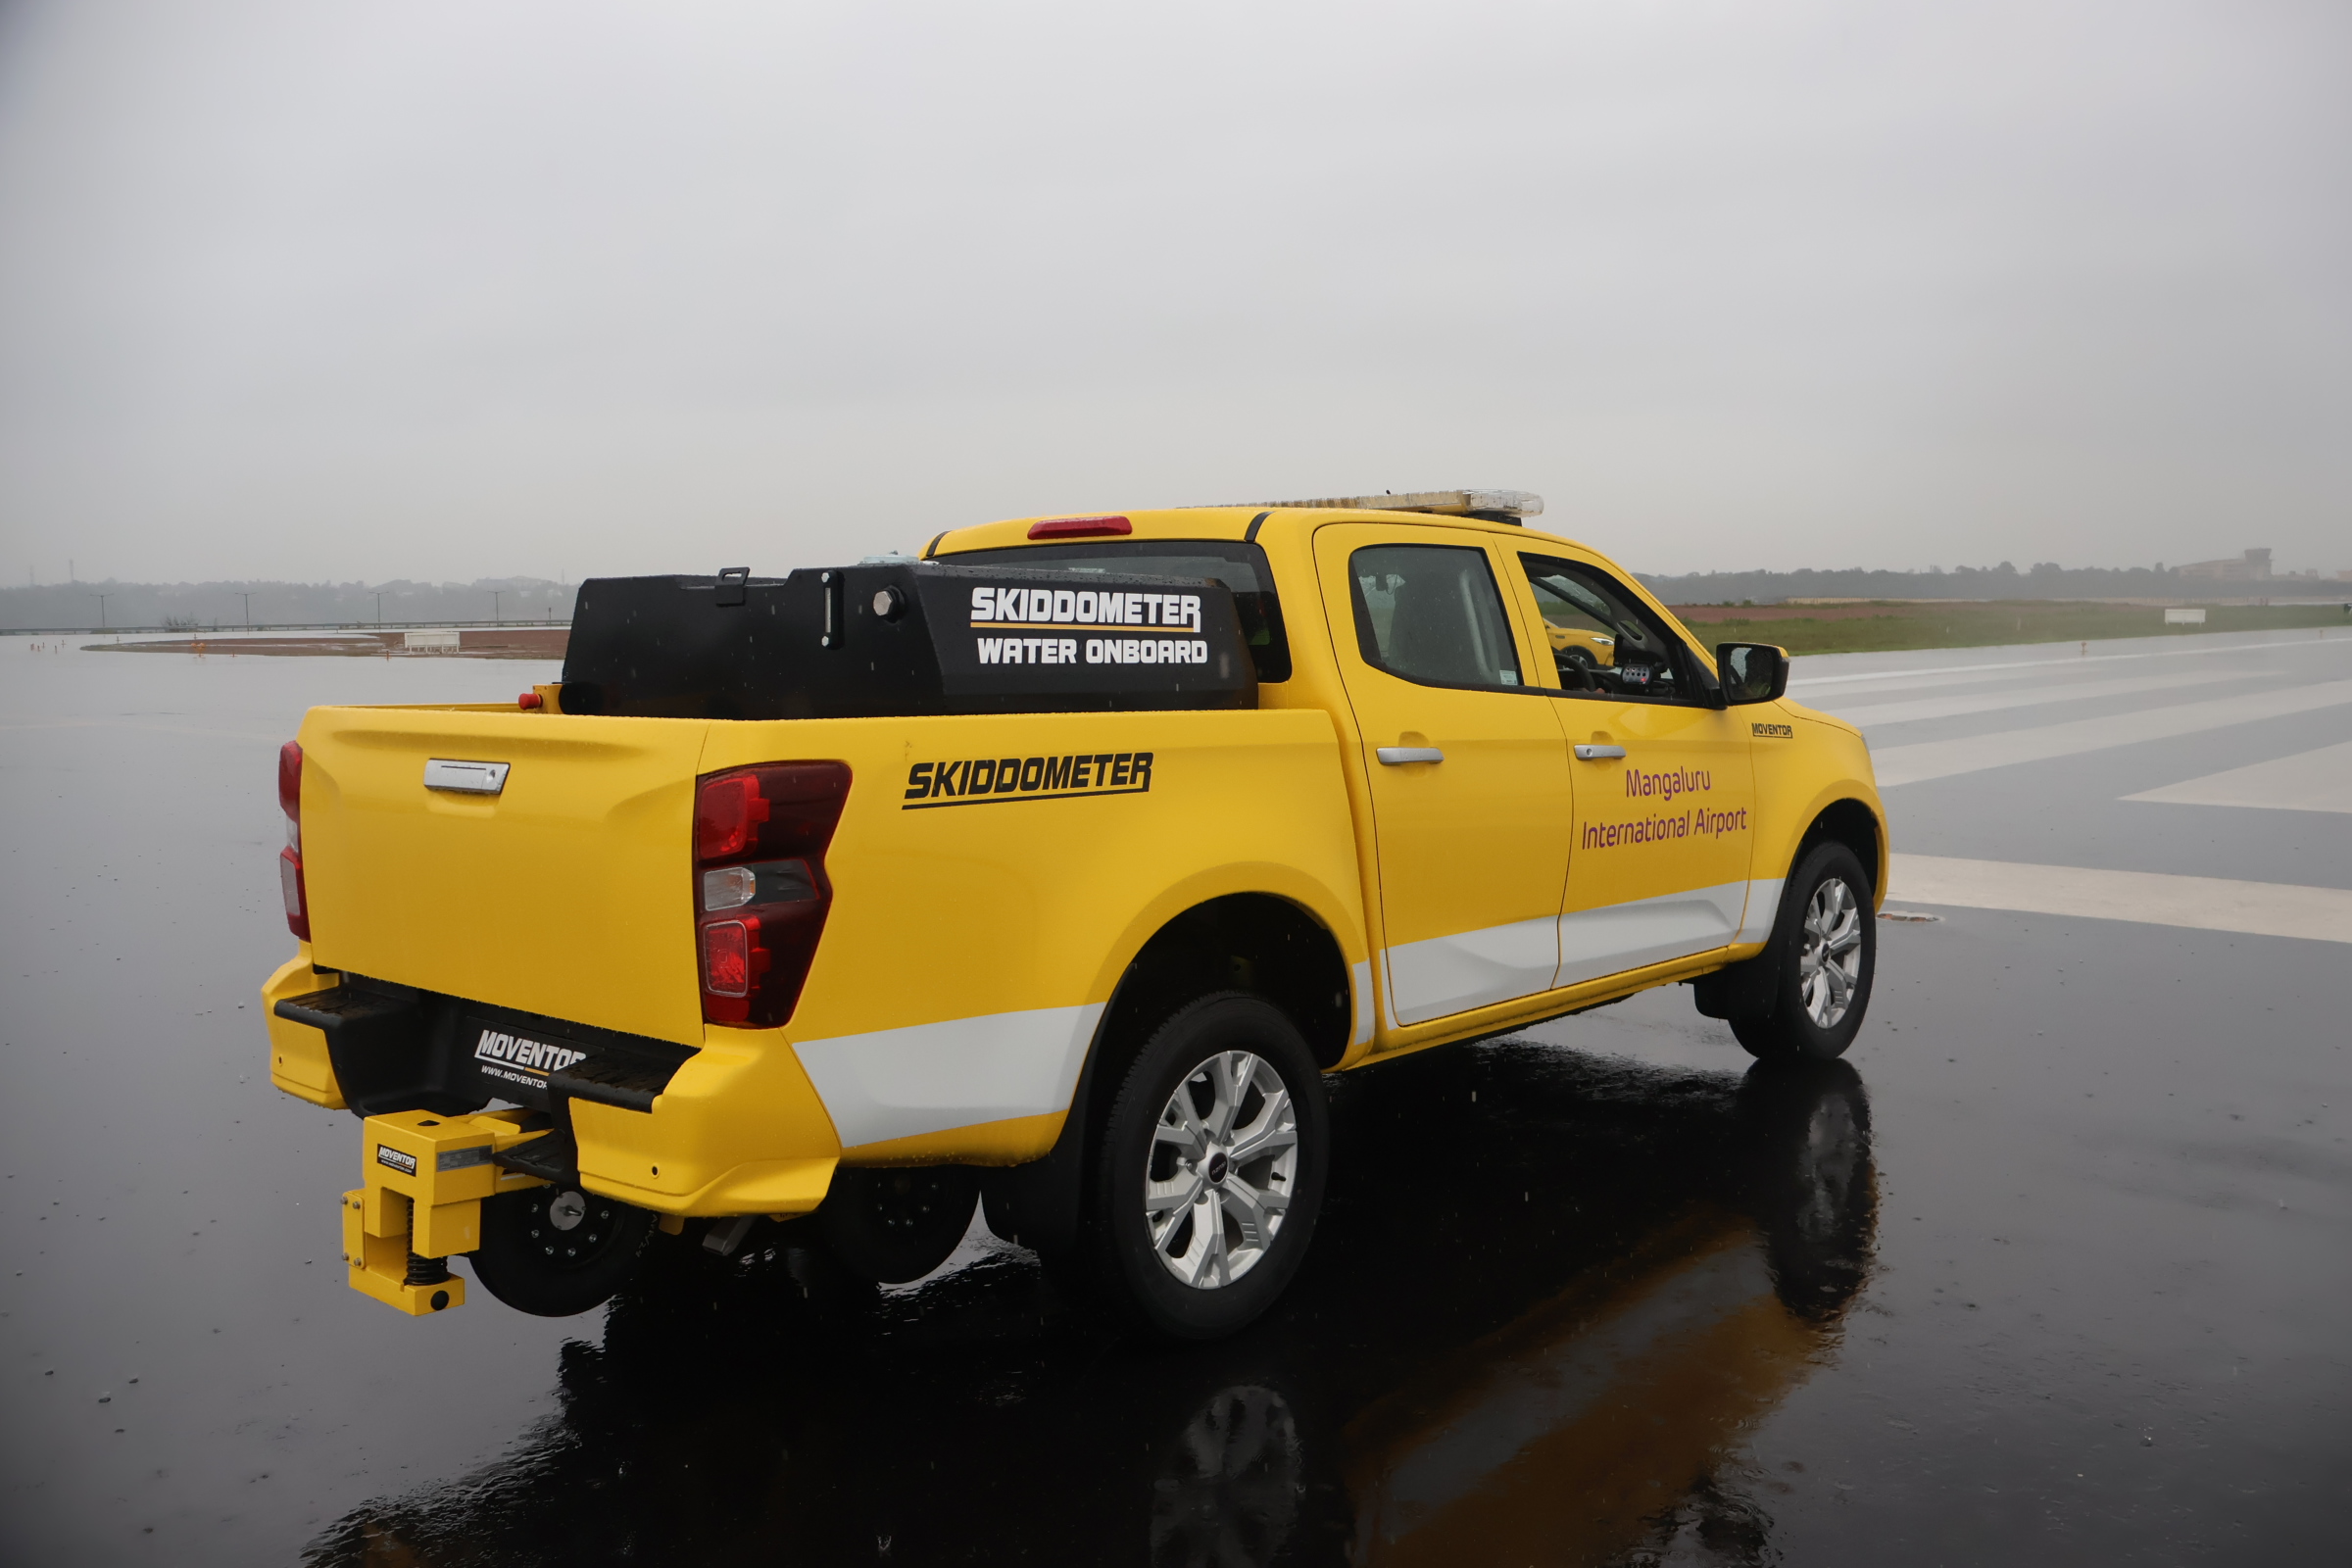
point(557, 1252)
point(898, 1223)
point(1190, 1242)
point(1824, 944)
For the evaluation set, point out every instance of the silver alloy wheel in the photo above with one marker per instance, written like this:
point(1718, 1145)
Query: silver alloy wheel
point(1223, 1165)
point(1830, 964)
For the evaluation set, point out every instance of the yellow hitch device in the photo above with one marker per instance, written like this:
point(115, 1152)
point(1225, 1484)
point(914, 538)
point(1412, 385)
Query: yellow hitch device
point(427, 1177)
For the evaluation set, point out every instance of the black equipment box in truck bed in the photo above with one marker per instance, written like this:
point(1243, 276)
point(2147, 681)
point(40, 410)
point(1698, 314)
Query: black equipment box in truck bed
point(904, 638)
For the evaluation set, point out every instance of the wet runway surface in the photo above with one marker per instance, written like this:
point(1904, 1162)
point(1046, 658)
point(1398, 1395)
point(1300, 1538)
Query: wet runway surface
point(2050, 1270)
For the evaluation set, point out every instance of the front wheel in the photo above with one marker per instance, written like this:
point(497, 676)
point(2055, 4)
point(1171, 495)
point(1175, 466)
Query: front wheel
point(1827, 946)
point(1210, 1169)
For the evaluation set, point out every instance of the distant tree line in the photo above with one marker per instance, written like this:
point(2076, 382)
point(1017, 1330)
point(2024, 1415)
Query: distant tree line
point(2044, 580)
point(223, 605)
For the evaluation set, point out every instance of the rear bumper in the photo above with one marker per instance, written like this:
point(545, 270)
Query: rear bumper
point(732, 1127)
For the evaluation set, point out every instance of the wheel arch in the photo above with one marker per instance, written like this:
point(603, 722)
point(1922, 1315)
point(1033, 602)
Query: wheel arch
point(1256, 942)
point(1852, 822)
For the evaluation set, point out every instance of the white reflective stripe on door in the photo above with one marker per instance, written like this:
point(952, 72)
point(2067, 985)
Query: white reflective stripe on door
point(1471, 968)
point(1625, 936)
point(1476, 968)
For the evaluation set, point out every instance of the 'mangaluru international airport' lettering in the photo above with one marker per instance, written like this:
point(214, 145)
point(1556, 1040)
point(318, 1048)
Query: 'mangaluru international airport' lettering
point(1698, 822)
point(1668, 784)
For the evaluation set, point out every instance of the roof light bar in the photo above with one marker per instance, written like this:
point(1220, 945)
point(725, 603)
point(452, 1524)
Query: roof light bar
point(1500, 506)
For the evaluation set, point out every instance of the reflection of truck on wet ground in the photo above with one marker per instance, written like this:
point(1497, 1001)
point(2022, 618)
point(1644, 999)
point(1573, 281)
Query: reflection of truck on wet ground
point(1612, 1275)
point(1064, 863)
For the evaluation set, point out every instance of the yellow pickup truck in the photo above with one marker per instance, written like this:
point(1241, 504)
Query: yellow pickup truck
point(1051, 870)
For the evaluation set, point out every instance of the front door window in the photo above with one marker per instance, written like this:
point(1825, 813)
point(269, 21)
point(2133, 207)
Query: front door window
point(1604, 641)
point(1660, 869)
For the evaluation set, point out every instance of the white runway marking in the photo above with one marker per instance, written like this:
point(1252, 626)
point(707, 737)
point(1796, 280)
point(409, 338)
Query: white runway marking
point(2202, 649)
point(1927, 760)
point(2311, 781)
point(2199, 903)
point(1912, 711)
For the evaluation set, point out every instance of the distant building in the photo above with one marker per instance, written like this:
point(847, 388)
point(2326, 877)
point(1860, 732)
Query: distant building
point(2253, 566)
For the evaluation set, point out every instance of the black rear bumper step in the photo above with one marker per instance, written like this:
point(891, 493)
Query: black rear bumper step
point(553, 1159)
point(613, 1080)
point(396, 1048)
point(345, 1007)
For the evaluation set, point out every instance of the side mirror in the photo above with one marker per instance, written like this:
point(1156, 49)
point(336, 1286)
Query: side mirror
point(1751, 672)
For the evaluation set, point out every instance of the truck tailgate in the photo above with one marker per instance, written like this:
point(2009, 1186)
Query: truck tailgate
point(570, 893)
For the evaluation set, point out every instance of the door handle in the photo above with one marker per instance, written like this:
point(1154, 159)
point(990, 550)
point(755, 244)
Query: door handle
point(1595, 754)
point(1399, 756)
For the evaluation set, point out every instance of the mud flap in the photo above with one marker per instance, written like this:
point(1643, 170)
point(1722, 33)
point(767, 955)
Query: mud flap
point(1743, 990)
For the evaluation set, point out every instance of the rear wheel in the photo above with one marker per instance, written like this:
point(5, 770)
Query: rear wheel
point(1827, 947)
point(899, 1223)
point(1210, 1169)
point(554, 1251)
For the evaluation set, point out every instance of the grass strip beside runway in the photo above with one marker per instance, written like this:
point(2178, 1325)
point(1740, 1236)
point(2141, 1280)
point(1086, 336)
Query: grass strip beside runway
point(1886, 625)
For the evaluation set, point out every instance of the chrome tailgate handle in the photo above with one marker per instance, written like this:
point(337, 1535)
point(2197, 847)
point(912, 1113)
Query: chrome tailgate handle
point(1595, 753)
point(1399, 756)
point(465, 778)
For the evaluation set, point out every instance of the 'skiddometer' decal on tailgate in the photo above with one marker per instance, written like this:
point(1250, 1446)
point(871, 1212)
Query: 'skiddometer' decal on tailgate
point(995, 780)
point(520, 1060)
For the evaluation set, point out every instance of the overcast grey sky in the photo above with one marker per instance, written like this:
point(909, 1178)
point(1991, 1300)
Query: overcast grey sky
point(355, 289)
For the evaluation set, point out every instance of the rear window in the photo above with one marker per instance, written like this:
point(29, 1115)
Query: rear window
point(1241, 568)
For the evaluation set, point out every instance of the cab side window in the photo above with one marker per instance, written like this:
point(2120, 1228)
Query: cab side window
point(1603, 640)
point(1432, 613)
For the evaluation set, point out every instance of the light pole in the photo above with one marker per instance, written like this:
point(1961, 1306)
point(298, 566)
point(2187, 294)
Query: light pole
point(248, 598)
point(494, 610)
point(379, 609)
point(102, 599)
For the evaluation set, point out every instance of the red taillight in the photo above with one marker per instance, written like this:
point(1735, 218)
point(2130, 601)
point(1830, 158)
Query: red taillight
point(758, 926)
point(289, 780)
point(732, 957)
point(727, 814)
point(1079, 528)
point(289, 860)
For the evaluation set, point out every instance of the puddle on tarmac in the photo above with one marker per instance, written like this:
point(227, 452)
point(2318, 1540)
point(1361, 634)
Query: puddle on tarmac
point(1602, 1271)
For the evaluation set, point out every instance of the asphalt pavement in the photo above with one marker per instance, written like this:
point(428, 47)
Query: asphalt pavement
point(2050, 1270)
